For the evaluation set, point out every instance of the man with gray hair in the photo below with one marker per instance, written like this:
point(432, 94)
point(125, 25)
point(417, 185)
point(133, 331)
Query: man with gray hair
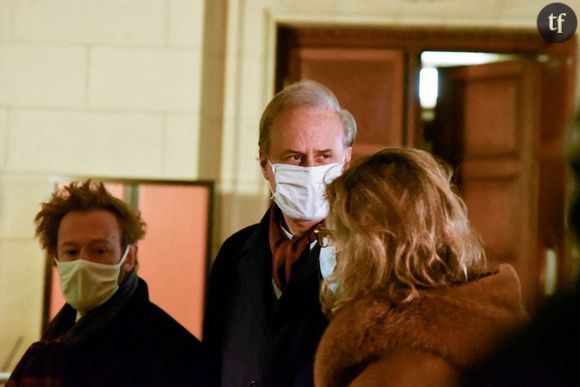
point(263, 317)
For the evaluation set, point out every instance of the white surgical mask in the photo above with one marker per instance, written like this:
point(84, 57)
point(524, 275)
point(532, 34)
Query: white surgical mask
point(300, 191)
point(327, 262)
point(86, 285)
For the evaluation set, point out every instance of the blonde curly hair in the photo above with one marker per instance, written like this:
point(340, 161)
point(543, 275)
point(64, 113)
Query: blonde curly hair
point(398, 226)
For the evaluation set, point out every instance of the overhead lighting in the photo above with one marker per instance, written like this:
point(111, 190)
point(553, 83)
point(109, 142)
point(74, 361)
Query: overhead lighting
point(431, 60)
point(428, 87)
point(444, 58)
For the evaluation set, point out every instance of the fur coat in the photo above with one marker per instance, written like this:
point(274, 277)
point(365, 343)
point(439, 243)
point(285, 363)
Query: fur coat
point(427, 342)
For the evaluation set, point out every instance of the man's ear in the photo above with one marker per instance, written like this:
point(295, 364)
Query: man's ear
point(131, 259)
point(347, 156)
point(264, 164)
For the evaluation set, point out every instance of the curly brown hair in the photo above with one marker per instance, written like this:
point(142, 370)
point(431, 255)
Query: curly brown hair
point(398, 226)
point(85, 196)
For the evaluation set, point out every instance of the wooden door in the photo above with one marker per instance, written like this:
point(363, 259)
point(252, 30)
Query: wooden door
point(487, 119)
point(367, 82)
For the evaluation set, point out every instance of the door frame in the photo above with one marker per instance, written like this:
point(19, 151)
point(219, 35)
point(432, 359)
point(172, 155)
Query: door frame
point(413, 41)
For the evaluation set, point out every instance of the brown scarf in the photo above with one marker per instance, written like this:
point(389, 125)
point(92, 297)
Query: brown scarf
point(285, 252)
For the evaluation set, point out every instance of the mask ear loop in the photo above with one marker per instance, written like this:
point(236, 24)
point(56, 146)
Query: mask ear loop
point(274, 175)
point(124, 255)
point(332, 173)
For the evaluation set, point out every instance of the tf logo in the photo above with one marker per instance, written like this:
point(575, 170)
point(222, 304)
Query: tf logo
point(556, 23)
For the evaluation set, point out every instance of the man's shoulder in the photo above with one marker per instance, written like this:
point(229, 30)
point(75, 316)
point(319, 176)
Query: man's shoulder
point(161, 317)
point(255, 230)
point(236, 243)
point(166, 349)
point(158, 325)
point(151, 316)
point(241, 236)
point(251, 240)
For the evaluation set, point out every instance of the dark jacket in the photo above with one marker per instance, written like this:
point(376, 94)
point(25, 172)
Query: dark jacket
point(127, 341)
point(544, 353)
point(427, 342)
point(255, 339)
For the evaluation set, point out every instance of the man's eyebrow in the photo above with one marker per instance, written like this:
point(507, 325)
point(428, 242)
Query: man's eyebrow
point(100, 240)
point(92, 241)
point(287, 151)
point(324, 151)
point(68, 244)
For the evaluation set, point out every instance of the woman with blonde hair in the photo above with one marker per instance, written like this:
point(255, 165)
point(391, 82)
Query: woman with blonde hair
point(410, 299)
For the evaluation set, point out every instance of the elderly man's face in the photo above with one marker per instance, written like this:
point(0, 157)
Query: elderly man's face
point(306, 137)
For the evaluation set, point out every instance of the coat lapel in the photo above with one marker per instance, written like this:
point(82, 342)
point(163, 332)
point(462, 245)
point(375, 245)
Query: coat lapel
point(255, 267)
point(301, 296)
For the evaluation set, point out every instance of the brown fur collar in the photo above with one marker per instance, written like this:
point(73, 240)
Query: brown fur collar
point(459, 324)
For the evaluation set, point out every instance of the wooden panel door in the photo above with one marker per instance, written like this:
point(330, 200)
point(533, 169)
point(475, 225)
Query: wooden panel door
point(487, 123)
point(367, 82)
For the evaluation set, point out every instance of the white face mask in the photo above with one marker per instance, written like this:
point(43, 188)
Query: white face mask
point(86, 285)
point(327, 259)
point(300, 191)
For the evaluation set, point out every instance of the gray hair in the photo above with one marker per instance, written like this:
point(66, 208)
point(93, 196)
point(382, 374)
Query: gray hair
point(305, 93)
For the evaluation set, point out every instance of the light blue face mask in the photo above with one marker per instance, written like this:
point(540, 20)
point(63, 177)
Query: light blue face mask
point(327, 259)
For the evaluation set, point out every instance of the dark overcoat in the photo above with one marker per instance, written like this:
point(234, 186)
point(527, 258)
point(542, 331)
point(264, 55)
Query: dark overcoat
point(128, 341)
point(256, 339)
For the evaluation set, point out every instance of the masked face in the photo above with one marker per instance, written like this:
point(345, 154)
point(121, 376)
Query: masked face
point(327, 256)
point(89, 258)
point(306, 148)
point(86, 285)
point(300, 192)
point(327, 265)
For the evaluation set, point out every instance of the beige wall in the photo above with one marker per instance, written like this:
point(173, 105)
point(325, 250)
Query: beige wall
point(156, 89)
point(90, 87)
